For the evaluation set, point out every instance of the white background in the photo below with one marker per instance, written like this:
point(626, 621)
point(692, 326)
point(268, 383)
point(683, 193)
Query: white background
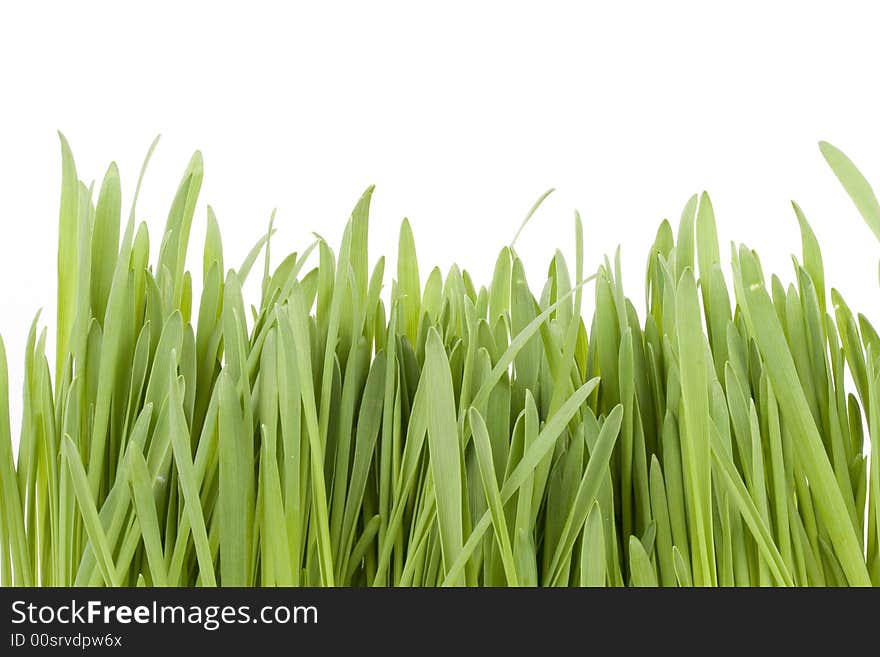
point(461, 114)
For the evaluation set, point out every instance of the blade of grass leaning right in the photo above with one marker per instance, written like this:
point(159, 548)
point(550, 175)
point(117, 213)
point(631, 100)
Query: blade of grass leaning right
point(586, 493)
point(543, 443)
point(866, 202)
point(641, 569)
point(148, 520)
point(493, 494)
point(855, 184)
point(366, 434)
point(189, 485)
point(767, 330)
point(750, 512)
point(92, 522)
point(660, 515)
point(682, 570)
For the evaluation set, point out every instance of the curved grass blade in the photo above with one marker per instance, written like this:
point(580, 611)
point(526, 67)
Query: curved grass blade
point(854, 183)
point(89, 513)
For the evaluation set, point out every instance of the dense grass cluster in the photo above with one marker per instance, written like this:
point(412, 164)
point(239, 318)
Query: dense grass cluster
point(445, 433)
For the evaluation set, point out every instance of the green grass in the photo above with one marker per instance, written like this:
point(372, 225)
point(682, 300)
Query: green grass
point(357, 427)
